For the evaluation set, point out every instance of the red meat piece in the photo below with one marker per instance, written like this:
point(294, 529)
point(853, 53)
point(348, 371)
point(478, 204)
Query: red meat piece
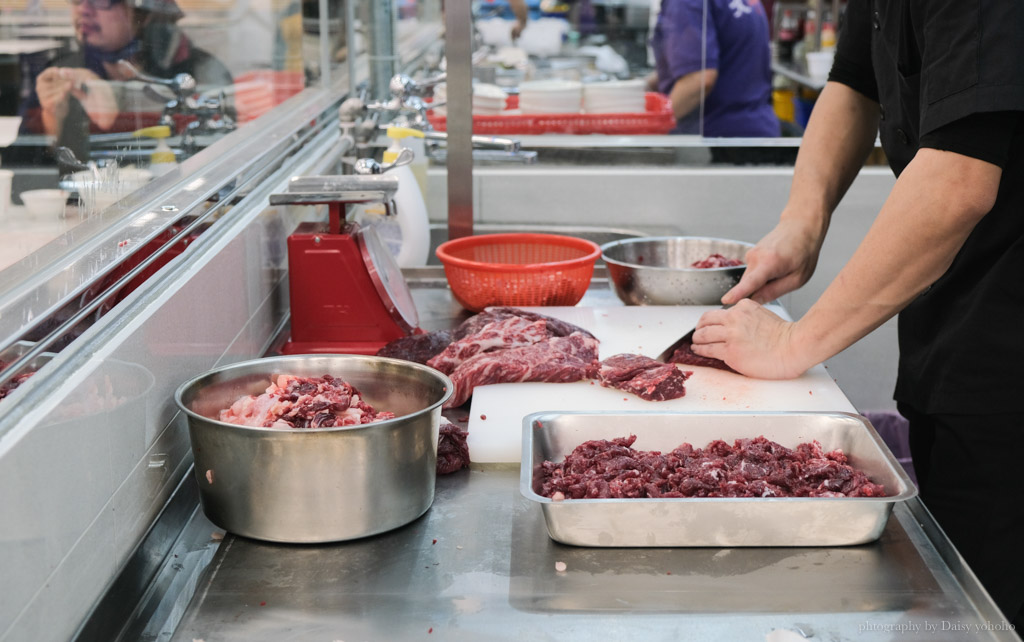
point(747, 468)
point(684, 355)
point(716, 261)
point(452, 449)
point(304, 402)
point(643, 377)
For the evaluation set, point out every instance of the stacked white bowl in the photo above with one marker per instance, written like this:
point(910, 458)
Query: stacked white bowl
point(550, 96)
point(614, 97)
point(488, 99)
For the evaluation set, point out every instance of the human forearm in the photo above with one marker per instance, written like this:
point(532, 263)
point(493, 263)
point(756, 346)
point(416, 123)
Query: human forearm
point(935, 204)
point(51, 123)
point(687, 91)
point(839, 136)
point(522, 14)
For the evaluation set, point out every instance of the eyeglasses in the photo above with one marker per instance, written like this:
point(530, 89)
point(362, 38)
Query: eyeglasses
point(96, 4)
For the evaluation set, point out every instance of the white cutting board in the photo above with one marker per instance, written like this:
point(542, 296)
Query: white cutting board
point(497, 411)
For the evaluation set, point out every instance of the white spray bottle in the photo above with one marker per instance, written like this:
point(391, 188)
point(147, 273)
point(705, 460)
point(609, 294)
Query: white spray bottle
point(413, 223)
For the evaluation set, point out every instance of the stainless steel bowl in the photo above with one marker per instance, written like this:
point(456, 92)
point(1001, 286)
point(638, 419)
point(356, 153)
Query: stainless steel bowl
point(317, 485)
point(656, 270)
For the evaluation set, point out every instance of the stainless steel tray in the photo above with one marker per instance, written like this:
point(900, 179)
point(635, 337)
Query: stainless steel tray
point(770, 521)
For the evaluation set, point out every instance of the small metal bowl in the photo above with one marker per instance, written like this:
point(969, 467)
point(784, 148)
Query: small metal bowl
point(657, 270)
point(306, 485)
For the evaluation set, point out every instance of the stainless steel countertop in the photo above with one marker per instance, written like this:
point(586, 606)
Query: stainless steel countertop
point(479, 565)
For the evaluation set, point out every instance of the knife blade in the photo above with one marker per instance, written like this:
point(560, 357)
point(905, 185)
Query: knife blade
point(678, 343)
point(681, 341)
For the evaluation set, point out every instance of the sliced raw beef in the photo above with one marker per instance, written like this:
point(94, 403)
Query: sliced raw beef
point(418, 348)
point(643, 377)
point(749, 468)
point(304, 402)
point(452, 449)
point(511, 332)
point(684, 355)
point(557, 360)
point(716, 261)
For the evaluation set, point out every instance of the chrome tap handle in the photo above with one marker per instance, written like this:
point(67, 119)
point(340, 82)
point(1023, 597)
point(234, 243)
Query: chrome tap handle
point(365, 166)
point(480, 142)
point(402, 86)
point(182, 84)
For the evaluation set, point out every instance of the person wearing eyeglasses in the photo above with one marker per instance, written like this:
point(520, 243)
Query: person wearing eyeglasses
point(75, 96)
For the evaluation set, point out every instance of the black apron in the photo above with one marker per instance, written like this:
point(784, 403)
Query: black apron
point(935, 62)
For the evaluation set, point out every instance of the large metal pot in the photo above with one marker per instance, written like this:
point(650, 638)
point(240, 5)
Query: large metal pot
point(657, 270)
point(317, 485)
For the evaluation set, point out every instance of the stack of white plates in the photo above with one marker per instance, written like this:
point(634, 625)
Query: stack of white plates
point(550, 96)
point(488, 100)
point(614, 97)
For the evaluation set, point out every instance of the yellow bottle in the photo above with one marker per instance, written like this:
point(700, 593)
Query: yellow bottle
point(162, 159)
point(413, 223)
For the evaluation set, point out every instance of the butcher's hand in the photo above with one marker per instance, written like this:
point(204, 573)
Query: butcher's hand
point(781, 262)
point(752, 340)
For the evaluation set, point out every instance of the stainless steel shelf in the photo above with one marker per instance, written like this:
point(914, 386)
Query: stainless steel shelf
point(480, 565)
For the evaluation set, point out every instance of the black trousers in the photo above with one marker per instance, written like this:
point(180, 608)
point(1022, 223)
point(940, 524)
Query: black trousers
point(970, 470)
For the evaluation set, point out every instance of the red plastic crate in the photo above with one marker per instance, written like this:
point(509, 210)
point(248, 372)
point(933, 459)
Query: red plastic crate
point(259, 91)
point(656, 119)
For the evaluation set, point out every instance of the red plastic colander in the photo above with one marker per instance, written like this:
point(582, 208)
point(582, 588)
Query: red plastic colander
point(518, 269)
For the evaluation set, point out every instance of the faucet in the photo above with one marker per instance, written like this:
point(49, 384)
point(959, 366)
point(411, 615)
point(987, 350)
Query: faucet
point(208, 115)
point(407, 100)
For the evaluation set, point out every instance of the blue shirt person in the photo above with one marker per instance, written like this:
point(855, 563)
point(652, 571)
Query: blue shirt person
point(722, 60)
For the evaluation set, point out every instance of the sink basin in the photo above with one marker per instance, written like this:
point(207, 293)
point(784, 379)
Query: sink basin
point(599, 235)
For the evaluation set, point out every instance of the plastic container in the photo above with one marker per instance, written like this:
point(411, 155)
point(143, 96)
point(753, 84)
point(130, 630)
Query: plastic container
point(162, 159)
point(45, 203)
point(518, 269)
point(407, 234)
point(819, 64)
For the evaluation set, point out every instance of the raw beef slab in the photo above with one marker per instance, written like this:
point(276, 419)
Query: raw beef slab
point(557, 360)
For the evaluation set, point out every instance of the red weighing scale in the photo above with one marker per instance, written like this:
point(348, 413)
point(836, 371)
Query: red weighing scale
point(346, 291)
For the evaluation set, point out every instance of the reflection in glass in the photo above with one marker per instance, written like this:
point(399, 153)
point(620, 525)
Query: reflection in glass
point(127, 89)
point(86, 90)
point(713, 60)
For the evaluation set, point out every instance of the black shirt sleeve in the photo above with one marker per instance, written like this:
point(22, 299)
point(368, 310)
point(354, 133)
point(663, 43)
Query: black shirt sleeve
point(986, 136)
point(852, 64)
point(970, 58)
